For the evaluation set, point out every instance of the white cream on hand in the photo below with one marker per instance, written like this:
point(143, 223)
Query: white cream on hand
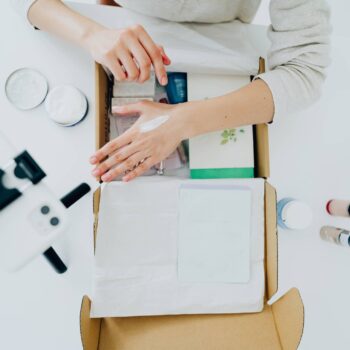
point(153, 124)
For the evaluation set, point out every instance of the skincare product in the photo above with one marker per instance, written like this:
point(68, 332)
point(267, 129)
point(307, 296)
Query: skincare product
point(177, 88)
point(26, 88)
point(293, 214)
point(338, 207)
point(335, 235)
point(135, 89)
point(66, 105)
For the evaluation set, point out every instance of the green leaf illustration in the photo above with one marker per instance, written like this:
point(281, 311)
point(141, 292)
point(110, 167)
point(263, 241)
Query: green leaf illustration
point(229, 135)
point(225, 133)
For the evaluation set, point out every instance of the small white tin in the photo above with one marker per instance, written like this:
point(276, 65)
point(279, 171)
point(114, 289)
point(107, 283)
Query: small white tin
point(66, 105)
point(26, 88)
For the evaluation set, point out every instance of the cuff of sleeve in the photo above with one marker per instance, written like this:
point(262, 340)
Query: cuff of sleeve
point(276, 87)
point(22, 7)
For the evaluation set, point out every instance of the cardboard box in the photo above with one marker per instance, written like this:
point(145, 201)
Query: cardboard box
point(278, 326)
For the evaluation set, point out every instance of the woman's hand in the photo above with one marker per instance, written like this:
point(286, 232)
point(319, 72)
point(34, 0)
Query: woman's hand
point(128, 53)
point(156, 134)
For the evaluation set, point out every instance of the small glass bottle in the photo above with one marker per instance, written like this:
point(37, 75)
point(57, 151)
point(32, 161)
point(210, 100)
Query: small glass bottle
point(335, 235)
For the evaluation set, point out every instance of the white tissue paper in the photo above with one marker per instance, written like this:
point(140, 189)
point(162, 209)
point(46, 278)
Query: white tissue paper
point(141, 268)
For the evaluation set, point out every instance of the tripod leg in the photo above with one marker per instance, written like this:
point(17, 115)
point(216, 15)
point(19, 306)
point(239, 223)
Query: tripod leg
point(72, 197)
point(68, 200)
point(55, 260)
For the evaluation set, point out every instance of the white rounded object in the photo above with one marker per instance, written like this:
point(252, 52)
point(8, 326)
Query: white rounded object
point(26, 88)
point(297, 215)
point(66, 105)
point(344, 239)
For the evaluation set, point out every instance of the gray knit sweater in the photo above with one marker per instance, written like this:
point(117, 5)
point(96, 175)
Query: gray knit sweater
point(299, 34)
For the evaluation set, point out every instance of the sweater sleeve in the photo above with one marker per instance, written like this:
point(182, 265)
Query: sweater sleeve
point(22, 7)
point(299, 53)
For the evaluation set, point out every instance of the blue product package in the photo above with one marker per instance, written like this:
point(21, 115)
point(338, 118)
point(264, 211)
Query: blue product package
point(177, 88)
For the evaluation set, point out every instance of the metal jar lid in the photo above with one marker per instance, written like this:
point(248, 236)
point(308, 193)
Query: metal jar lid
point(26, 88)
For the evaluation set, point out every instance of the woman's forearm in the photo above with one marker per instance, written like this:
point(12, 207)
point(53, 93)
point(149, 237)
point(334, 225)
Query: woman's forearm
point(252, 104)
point(55, 17)
point(128, 53)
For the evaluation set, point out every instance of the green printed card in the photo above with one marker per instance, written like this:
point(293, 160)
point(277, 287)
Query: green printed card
point(223, 154)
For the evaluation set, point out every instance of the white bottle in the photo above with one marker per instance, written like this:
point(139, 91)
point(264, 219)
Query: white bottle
point(293, 214)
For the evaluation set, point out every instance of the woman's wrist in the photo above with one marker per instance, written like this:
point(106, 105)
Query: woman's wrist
point(186, 114)
point(89, 30)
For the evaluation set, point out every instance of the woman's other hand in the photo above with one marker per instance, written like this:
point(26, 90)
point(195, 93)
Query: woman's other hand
point(128, 53)
point(156, 134)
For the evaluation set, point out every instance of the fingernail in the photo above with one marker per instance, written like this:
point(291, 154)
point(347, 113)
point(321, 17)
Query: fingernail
point(93, 160)
point(95, 172)
point(164, 80)
point(106, 177)
point(166, 59)
point(126, 178)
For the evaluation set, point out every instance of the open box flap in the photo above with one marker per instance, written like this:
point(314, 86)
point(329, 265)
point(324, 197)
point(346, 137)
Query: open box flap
point(277, 327)
point(222, 48)
point(288, 312)
point(195, 332)
point(89, 327)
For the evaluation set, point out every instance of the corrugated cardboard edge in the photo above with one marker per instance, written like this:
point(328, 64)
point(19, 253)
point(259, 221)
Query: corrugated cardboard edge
point(262, 163)
point(101, 127)
point(289, 316)
point(90, 328)
point(271, 241)
point(102, 94)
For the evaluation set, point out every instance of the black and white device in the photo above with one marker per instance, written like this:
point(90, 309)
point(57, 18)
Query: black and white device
point(31, 216)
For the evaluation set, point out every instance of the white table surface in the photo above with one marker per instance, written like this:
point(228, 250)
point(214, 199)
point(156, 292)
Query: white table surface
point(309, 160)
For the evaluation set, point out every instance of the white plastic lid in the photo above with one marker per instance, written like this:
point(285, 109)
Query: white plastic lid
point(26, 88)
point(297, 215)
point(344, 239)
point(66, 105)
